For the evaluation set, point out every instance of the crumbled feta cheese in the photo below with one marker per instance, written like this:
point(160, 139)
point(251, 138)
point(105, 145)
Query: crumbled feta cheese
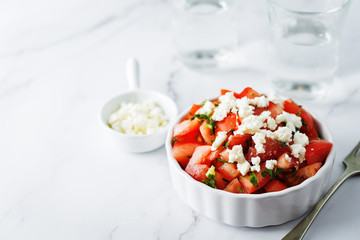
point(301, 138)
point(271, 123)
point(261, 102)
point(283, 134)
point(259, 139)
point(236, 154)
point(264, 115)
point(138, 118)
point(227, 102)
point(207, 108)
point(270, 164)
point(256, 164)
point(292, 121)
point(255, 168)
point(221, 112)
point(244, 167)
point(298, 151)
point(243, 109)
point(276, 99)
point(250, 125)
point(228, 98)
point(268, 133)
point(220, 138)
point(255, 160)
point(287, 157)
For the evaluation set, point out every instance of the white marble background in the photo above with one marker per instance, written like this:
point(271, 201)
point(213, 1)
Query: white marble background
point(59, 177)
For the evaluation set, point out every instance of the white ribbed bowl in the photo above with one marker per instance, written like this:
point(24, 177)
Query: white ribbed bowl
point(251, 210)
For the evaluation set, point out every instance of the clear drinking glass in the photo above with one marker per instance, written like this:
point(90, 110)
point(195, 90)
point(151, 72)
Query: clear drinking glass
point(304, 45)
point(204, 32)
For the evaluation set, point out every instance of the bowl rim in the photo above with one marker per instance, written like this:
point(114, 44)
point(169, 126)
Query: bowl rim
point(326, 167)
point(163, 130)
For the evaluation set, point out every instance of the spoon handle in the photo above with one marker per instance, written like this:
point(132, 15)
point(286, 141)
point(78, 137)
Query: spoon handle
point(132, 73)
point(300, 229)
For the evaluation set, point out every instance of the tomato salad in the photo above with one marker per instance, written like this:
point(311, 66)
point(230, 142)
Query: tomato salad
point(249, 143)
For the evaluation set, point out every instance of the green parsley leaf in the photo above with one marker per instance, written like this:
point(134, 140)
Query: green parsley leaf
point(248, 142)
point(253, 180)
point(299, 112)
point(188, 156)
point(230, 131)
point(240, 190)
point(278, 171)
point(175, 140)
point(221, 160)
point(210, 181)
point(200, 116)
point(210, 172)
point(273, 173)
point(305, 123)
point(226, 144)
point(210, 122)
point(226, 180)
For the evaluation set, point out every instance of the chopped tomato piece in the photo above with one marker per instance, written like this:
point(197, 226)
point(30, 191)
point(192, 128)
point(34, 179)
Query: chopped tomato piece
point(259, 179)
point(194, 136)
point(302, 174)
point(275, 110)
point(224, 91)
point(234, 186)
point(182, 152)
point(196, 166)
point(200, 154)
point(214, 154)
point(224, 155)
point(308, 126)
point(186, 127)
point(207, 133)
point(227, 124)
point(220, 183)
point(274, 186)
point(197, 171)
point(229, 171)
point(243, 140)
point(273, 150)
point(288, 161)
point(217, 164)
point(317, 150)
point(249, 93)
point(193, 110)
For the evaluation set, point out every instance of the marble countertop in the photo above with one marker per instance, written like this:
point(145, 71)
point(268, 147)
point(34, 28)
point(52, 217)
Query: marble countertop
point(61, 179)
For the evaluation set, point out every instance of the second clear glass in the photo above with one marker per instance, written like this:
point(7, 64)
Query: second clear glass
point(304, 45)
point(204, 32)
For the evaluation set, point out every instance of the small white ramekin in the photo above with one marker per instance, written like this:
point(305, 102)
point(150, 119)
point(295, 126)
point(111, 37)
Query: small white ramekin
point(251, 210)
point(138, 143)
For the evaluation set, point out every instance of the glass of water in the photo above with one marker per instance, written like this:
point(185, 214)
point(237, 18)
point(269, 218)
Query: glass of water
point(204, 32)
point(304, 45)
